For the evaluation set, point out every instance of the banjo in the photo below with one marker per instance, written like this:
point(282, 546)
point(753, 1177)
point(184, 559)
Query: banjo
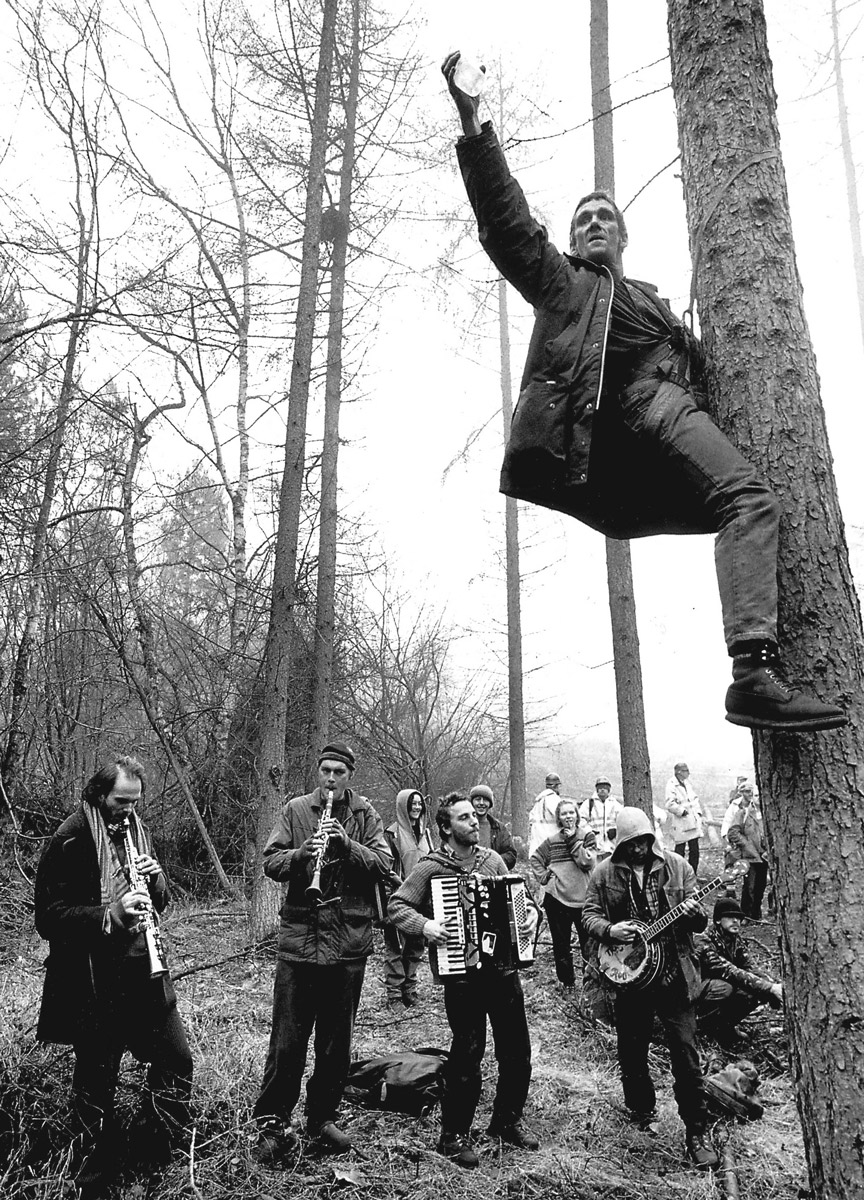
point(637, 964)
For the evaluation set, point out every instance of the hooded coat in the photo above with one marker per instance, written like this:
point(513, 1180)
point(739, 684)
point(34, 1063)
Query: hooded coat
point(405, 847)
point(608, 899)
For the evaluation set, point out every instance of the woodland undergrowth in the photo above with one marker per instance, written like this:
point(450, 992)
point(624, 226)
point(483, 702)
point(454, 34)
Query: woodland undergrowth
point(589, 1150)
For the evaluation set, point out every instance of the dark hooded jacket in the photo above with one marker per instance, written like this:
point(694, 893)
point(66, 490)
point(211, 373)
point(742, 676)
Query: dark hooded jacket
point(568, 447)
point(341, 930)
point(83, 959)
point(723, 955)
point(608, 899)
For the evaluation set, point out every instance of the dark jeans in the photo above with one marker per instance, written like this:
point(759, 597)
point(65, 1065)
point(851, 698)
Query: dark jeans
point(720, 1005)
point(468, 1000)
point(143, 1019)
point(753, 889)
point(634, 1022)
point(689, 850)
point(718, 485)
point(563, 919)
point(403, 955)
point(306, 995)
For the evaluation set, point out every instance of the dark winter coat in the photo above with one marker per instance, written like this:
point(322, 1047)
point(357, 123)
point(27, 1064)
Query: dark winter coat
point(501, 842)
point(723, 955)
point(568, 448)
point(340, 931)
point(83, 959)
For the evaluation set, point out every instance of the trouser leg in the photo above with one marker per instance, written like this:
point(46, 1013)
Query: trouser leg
point(94, 1083)
point(294, 1001)
point(679, 1022)
point(339, 987)
point(753, 889)
point(394, 965)
point(717, 481)
point(560, 918)
point(582, 934)
point(464, 1003)
point(412, 956)
point(634, 1021)
point(506, 1007)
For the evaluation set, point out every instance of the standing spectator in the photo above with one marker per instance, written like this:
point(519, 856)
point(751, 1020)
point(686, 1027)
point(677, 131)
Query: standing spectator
point(99, 995)
point(561, 865)
point(746, 843)
point(685, 815)
point(541, 819)
point(409, 840)
point(600, 811)
point(322, 952)
point(493, 835)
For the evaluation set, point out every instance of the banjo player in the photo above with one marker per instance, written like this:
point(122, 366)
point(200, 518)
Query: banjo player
point(639, 883)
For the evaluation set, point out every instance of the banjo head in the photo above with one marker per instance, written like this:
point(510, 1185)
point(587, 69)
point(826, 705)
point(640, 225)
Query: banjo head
point(626, 962)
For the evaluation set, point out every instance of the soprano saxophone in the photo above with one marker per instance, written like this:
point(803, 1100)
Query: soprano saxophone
point(147, 924)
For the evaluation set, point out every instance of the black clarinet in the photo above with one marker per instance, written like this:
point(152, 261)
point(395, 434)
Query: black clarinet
point(313, 891)
point(147, 923)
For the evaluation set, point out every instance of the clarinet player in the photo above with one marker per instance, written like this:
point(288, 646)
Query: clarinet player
point(107, 988)
point(468, 999)
point(330, 864)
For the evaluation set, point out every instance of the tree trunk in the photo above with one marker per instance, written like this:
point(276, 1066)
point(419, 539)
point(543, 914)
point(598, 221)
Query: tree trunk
point(849, 167)
point(325, 617)
point(280, 634)
point(632, 738)
point(515, 706)
point(764, 392)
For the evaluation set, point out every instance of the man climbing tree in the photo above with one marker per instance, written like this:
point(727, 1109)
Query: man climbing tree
point(607, 394)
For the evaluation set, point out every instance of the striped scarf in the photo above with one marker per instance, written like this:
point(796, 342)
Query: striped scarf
point(113, 882)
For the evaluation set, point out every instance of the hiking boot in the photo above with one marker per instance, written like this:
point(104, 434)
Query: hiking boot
point(330, 1139)
point(275, 1144)
point(514, 1133)
point(457, 1147)
point(393, 1002)
point(700, 1149)
point(410, 999)
point(760, 698)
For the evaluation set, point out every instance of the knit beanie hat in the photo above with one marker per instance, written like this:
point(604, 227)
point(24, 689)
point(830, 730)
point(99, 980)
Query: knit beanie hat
point(480, 789)
point(338, 751)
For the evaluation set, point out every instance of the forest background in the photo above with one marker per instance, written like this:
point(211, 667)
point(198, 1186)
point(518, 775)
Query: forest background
point(154, 175)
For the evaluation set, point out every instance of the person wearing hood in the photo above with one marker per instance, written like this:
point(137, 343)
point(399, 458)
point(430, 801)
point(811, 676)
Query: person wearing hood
point(493, 835)
point(640, 882)
point(409, 841)
point(487, 991)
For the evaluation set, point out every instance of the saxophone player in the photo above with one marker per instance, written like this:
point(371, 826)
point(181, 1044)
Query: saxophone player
point(103, 992)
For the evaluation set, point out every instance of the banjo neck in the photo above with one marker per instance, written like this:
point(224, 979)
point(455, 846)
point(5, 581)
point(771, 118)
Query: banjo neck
point(656, 927)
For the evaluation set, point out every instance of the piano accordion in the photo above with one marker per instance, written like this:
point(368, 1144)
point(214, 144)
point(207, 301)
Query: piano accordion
point(486, 916)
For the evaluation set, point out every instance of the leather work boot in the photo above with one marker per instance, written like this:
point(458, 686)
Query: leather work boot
point(760, 698)
point(330, 1139)
point(275, 1144)
point(514, 1133)
point(700, 1149)
point(457, 1147)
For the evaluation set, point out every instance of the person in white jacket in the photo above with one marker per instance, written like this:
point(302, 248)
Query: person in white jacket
point(684, 827)
point(542, 822)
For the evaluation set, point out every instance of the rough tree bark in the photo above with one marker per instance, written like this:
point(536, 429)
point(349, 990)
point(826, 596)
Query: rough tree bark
point(765, 393)
point(848, 164)
point(632, 738)
point(280, 635)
